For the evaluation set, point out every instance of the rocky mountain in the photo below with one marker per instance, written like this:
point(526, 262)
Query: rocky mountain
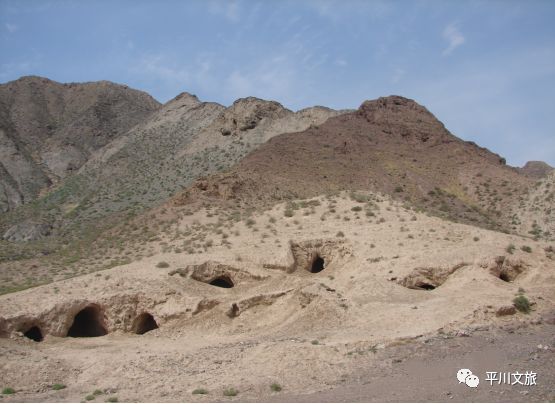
point(390, 145)
point(48, 130)
point(536, 169)
point(176, 144)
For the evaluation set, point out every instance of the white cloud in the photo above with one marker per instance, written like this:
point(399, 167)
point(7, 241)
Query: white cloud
point(11, 27)
point(229, 9)
point(453, 37)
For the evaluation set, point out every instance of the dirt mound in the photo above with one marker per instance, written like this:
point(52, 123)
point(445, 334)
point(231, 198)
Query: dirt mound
point(429, 278)
point(217, 274)
point(506, 269)
point(317, 255)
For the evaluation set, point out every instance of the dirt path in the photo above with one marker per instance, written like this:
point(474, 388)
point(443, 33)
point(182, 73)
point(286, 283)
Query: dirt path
point(427, 371)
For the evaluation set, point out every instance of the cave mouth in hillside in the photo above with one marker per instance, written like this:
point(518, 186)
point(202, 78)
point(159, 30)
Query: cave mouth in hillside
point(144, 323)
point(425, 286)
point(87, 323)
point(34, 333)
point(222, 282)
point(504, 277)
point(317, 265)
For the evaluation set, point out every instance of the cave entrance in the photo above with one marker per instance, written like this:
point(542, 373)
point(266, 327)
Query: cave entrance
point(317, 264)
point(144, 323)
point(222, 282)
point(426, 286)
point(504, 277)
point(87, 323)
point(34, 333)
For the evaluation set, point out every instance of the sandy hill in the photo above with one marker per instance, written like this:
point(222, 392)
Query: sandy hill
point(48, 130)
point(306, 301)
point(391, 145)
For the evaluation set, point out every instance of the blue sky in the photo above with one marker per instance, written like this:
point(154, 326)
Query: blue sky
point(486, 69)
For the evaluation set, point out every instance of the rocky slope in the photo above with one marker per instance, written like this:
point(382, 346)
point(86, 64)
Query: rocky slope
point(390, 145)
point(536, 169)
point(181, 141)
point(48, 130)
point(534, 214)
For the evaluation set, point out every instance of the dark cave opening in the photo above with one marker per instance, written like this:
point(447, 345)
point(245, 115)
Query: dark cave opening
point(34, 333)
point(87, 323)
point(144, 323)
point(317, 265)
point(426, 286)
point(222, 282)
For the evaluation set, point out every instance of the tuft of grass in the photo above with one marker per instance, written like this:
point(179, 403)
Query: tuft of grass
point(90, 397)
point(200, 391)
point(231, 392)
point(112, 400)
point(510, 248)
point(162, 264)
point(98, 392)
point(476, 239)
point(288, 213)
point(522, 304)
point(526, 248)
point(314, 342)
point(275, 387)
point(58, 386)
point(340, 234)
point(8, 390)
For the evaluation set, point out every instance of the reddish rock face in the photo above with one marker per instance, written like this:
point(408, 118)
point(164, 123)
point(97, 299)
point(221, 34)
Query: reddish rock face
point(391, 145)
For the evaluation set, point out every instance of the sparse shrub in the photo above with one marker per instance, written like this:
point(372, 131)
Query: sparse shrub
point(112, 400)
point(162, 264)
point(340, 234)
point(510, 248)
point(200, 391)
point(314, 342)
point(476, 239)
point(90, 397)
point(360, 198)
point(58, 386)
point(526, 248)
point(8, 390)
point(97, 392)
point(275, 387)
point(522, 304)
point(398, 189)
point(356, 208)
point(250, 222)
point(288, 213)
point(231, 392)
